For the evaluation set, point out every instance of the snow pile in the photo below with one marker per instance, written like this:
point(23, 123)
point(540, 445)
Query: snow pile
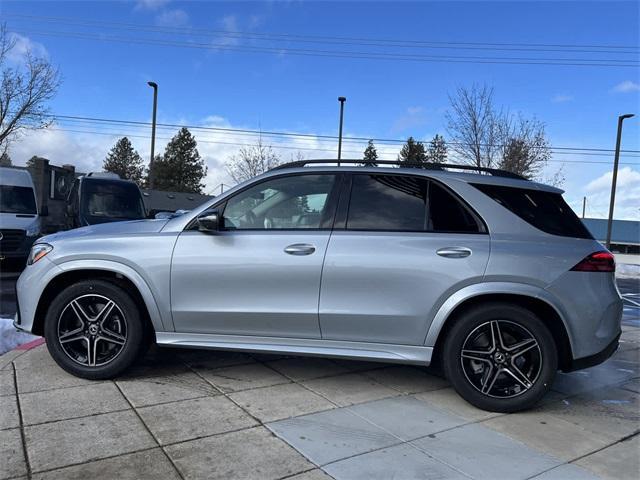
point(10, 338)
point(627, 270)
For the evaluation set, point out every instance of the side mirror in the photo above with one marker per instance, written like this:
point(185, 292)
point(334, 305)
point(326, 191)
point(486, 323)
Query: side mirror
point(209, 223)
point(44, 211)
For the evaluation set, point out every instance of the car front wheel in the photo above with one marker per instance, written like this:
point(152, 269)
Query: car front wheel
point(93, 329)
point(500, 357)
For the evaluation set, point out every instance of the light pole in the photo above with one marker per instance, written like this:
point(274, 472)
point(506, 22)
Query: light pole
point(615, 176)
point(341, 100)
point(153, 85)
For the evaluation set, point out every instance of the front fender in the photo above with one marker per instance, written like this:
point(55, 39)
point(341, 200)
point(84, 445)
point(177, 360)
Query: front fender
point(491, 288)
point(160, 319)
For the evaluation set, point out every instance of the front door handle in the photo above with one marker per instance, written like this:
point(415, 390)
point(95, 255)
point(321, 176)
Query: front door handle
point(454, 252)
point(300, 249)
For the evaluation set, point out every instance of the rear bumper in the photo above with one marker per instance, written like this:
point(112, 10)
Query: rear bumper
point(596, 359)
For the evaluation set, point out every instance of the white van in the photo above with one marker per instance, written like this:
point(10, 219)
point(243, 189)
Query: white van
point(19, 218)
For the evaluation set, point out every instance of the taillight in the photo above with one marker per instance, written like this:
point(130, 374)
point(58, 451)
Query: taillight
point(596, 262)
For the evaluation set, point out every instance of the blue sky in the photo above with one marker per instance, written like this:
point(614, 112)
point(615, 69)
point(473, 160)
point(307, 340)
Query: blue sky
point(284, 92)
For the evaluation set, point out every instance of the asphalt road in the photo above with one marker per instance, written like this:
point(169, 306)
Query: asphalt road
point(630, 289)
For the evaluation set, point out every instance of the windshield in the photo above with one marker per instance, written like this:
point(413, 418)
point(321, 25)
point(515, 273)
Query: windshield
point(112, 200)
point(17, 200)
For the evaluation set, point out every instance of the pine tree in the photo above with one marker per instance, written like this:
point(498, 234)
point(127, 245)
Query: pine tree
point(437, 150)
point(370, 155)
point(412, 152)
point(123, 160)
point(5, 160)
point(180, 169)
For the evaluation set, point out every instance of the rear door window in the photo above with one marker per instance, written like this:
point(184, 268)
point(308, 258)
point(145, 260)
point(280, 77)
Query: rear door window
point(546, 211)
point(388, 202)
point(407, 204)
point(448, 214)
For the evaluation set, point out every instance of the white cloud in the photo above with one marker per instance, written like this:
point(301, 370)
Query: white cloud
point(87, 150)
point(172, 18)
point(413, 117)
point(24, 45)
point(151, 4)
point(627, 206)
point(562, 98)
point(626, 87)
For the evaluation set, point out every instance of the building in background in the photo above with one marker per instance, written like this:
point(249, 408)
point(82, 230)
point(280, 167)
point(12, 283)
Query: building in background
point(625, 234)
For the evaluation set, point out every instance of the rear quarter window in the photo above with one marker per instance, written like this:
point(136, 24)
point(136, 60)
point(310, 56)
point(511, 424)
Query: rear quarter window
point(547, 211)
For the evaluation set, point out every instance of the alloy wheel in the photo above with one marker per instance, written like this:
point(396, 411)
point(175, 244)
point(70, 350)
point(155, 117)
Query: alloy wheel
point(501, 359)
point(92, 330)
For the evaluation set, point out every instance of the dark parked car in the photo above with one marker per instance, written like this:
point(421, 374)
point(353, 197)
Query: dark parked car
point(101, 198)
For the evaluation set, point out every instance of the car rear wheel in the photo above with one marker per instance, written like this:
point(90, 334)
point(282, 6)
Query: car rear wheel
point(500, 357)
point(93, 329)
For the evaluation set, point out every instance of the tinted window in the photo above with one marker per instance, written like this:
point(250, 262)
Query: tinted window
point(17, 200)
point(544, 210)
point(388, 202)
point(294, 202)
point(448, 214)
point(112, 200)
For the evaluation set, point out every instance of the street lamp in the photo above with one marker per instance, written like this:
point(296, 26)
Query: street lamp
point(341, 100)
point(615, 176)
point(153, 85)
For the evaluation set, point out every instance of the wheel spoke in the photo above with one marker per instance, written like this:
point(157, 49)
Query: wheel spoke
point(111, 337)
point(517, 375)
point(91, 351)
point(104, 313)
point(72, 336)
point(490, 379)
point(496, 335)
point(479, 355)
point(80, 313)
point(522, 347)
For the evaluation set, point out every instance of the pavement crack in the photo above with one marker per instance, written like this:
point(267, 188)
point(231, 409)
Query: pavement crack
point(21, 420)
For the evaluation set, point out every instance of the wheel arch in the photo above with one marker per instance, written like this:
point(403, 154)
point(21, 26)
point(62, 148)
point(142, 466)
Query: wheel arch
point(129, 281)
point(526, 297)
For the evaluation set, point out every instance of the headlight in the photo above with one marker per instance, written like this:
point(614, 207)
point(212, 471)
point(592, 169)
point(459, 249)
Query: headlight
point(38, 251)
point(33, 230)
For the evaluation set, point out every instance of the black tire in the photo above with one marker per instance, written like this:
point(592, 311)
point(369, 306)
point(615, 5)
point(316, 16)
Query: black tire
point(115, 348)
point(479, 369)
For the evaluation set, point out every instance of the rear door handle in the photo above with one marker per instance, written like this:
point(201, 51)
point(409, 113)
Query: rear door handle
point(454, 252)
point(300, 249)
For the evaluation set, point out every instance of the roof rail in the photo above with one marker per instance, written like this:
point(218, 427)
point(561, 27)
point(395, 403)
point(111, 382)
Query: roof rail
point(496, 172)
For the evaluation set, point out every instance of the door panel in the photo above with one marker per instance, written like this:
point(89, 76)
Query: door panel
point(260, 274)
point(384, 286)
point(243, 282)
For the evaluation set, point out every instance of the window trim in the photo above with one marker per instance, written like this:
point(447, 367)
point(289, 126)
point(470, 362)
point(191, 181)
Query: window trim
point(332, 203)
point(483, 230)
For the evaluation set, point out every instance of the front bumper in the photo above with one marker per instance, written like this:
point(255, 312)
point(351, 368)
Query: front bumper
point(29, 289)
point(596, 359)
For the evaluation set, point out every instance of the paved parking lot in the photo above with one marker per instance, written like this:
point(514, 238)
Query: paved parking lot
point(203, 414)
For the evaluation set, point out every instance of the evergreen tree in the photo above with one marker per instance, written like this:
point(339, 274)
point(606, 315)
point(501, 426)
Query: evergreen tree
point(31, 163)
point(412, 152)
point(370, 155)
point(437, 150)
point(124, 161)
point(180, 169)
point(5, 160)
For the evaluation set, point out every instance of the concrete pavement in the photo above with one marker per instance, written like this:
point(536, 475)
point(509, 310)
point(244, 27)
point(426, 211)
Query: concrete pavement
point(203, 414)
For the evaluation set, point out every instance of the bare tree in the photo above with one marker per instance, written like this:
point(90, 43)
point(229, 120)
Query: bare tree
point(472, 124)
point(252, 161)
point(486, 136)
point(25, 89)
point(525, 149)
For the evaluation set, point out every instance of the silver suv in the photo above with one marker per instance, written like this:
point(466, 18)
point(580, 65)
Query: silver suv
point(488, 274)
